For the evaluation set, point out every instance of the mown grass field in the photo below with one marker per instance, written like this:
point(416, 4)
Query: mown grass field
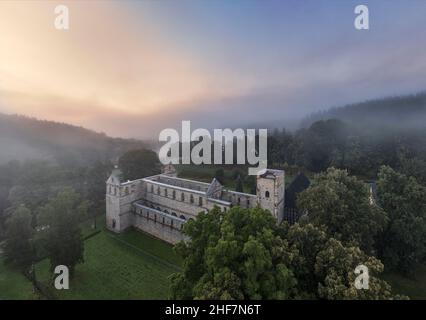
point(413, 287)
point(206, 173)
point(128, 266)
point(132, 265)
point(13, 285)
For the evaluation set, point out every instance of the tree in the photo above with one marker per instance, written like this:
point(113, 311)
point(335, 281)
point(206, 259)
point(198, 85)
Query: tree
point(219, 175)
point(280, 144)
point(239, 185)
point(18, 247)
point(403, 243)
point(136, 164)
point(95, 188)
point(324, 143)
point(63, 240)
point(414, 167)
point(341, 203)
point(324, 267)
point(236, 255)
point(300, 183)
point(242, 254)
point(335, 267)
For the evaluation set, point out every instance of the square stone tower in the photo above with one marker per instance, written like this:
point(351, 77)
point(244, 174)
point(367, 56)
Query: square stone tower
point(119, 199)
point(270, 190)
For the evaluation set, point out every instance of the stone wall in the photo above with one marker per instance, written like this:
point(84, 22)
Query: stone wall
point(181, 201)
point(158, 224)
point(161, 205)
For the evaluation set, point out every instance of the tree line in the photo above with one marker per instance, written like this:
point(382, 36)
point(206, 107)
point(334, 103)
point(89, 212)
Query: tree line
point(243, 254)
point(359, 149)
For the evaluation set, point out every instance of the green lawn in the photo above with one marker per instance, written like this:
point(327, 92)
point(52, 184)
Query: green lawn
point(13, 285)
point(206, 173)
point(132, 265)
point(414, 287)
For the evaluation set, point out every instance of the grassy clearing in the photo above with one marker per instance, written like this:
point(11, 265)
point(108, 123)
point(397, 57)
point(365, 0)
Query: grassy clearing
point(132, 265)
point(206, 173)
point(128, 266)
point(414, 287)
point(13, 285)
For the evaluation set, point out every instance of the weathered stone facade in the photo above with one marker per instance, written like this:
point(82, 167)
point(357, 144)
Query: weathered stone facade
point(161, 204)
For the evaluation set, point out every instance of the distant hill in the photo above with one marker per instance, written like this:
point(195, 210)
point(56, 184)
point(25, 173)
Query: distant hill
point(24, 138)
point(394, 112)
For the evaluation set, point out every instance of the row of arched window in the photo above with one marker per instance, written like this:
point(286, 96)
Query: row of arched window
point(173, 195)
point(241, 200)
point(160, 218)
point(116, 190)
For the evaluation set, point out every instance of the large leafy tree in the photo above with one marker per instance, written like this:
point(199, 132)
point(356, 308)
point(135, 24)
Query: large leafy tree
point(18, 247)
point(324, 267)
point(404, 241)
point(342, 204)
point(323, 144)
point(236, 255)
point(136, 164)
point(239, 184)
point(60, 218)
point(242, 254)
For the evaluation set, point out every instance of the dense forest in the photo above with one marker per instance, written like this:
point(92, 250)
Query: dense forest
point(344, 145)
point(48, 171)
point(23, 138)
point(39, 159)
point(408, 111)
point(360, 137)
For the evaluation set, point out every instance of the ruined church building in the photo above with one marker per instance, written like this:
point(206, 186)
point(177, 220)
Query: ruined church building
point(160, 205)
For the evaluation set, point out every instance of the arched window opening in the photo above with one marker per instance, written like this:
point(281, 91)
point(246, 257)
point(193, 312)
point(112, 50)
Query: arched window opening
point(267, 194)
point(200, 201)
point(182, 197)
point(191, 198)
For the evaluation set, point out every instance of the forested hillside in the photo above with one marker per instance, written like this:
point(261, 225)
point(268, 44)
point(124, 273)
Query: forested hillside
point(401, 112)
point(23, 138)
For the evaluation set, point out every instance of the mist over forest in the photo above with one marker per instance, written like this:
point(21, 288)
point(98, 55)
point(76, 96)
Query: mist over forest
point(24, 138)
point(400, 112)
point(45, 163)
